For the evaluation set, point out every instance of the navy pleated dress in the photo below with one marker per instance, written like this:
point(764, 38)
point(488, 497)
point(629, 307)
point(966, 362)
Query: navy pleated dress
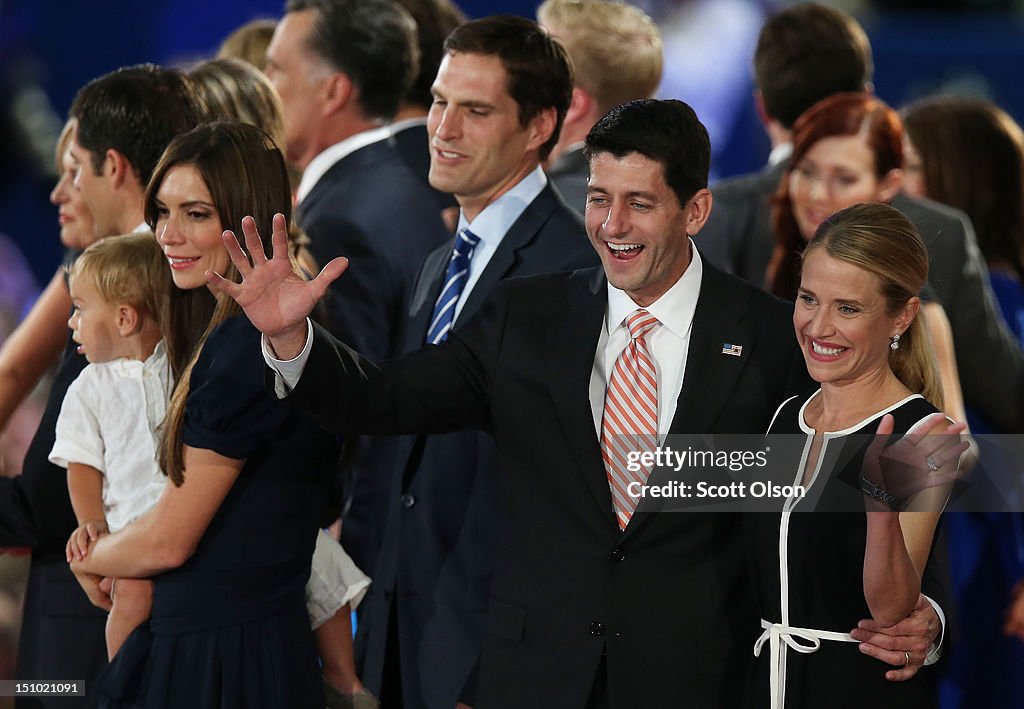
point(229, 628)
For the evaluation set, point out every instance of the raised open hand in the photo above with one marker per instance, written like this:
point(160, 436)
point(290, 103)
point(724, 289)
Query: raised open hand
point(276, 299)
point(926, 457)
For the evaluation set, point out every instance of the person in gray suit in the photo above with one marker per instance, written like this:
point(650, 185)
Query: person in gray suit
point(616, 55)
point(804, 54)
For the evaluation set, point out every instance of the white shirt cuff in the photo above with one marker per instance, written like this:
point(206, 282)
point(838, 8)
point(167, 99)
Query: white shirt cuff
point(935, 650)
point(287, 372)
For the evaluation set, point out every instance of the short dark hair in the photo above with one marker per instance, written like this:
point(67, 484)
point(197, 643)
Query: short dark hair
point(539, 74)
point(435, 19)
point(372, 41)
point(806, 53)
point(136, 111)
point(666, 131)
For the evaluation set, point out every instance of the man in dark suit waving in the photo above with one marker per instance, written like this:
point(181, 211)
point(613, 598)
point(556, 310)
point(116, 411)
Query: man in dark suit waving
point(592, 604)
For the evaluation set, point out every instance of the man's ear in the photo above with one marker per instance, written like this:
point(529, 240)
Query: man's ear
point(117, 167)
point(337, 90)
point(129, 320)
point(541, 127)
point(698, 209)
point(762, 112)
point(581, 104)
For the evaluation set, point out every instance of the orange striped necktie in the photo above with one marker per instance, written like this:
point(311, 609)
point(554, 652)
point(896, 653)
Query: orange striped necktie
point(630, 421)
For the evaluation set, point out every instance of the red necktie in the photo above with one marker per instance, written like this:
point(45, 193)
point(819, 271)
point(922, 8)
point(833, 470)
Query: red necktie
point(630, 422)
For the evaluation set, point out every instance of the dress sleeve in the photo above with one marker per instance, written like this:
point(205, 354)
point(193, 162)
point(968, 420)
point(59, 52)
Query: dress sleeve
point(77, 437)
point(229, 410)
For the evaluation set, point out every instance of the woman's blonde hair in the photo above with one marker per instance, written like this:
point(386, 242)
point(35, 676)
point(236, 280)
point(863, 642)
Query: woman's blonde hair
point(129, 269)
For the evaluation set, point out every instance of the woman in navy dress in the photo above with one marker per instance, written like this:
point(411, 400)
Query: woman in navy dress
point(842, 553)
point(228, 545)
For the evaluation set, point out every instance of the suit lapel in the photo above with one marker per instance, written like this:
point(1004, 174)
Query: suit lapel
point(711, 373)
point(425, 294)
point(570, 354)
point(520, 234)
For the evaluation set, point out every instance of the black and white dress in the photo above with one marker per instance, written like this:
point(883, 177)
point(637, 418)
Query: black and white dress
point(808, 574)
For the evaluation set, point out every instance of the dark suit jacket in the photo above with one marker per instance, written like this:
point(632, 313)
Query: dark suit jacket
point(668, 600)
point(413, 144)
point(738, 238)
point(434, 569)
point(569, 173)
point(61, 632)
point(371, 208)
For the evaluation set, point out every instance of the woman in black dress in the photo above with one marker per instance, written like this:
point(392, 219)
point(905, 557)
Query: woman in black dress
point(841, 553)
point(228, 545)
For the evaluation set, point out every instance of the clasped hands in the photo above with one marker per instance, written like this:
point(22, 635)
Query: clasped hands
point(81, 541)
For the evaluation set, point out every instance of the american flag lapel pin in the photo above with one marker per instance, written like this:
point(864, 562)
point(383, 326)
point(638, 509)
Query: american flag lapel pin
point(732, 350)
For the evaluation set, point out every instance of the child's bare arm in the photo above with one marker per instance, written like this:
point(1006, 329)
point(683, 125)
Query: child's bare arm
point(85, 486)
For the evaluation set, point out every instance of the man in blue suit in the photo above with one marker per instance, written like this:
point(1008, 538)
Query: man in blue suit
point(500, 97)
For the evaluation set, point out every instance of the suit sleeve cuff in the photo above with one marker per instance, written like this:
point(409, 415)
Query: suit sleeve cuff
point(287, 372)
point(935, 651)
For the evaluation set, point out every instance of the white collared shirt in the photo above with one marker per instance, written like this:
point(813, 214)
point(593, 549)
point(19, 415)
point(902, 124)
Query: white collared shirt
point(492, 224)
point(399, 126)
point(109, 420)
point(323, 162)
point(668, 342)
point(780, 153)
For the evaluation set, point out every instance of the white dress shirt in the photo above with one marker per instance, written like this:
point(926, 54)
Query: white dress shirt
point(668, 342)
point(492, 224)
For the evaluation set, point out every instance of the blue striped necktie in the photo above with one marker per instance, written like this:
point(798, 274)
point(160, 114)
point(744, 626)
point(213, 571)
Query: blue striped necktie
point(454, 281)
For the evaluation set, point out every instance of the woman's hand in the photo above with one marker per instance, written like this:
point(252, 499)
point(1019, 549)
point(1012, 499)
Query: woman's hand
point(926, 457)
point(275, 298)
point(91, 584)
point(84, 537)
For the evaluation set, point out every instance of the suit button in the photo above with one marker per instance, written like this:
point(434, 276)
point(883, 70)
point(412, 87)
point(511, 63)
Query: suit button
point(618, 555)
point(597, 628)
point(408, 500)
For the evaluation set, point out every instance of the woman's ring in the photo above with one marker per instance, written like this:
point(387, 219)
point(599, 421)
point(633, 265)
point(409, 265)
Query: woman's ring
point(931, 464)
point(908, 658)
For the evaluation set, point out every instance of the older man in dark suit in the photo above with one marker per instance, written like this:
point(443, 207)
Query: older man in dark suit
point(342, 68)
point(809, 52)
